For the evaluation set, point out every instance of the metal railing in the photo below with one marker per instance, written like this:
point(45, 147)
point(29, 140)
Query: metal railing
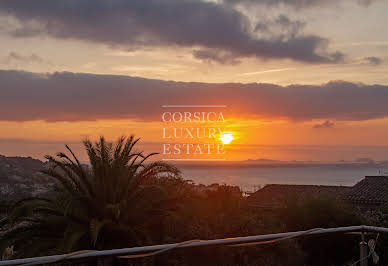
point(237, 241)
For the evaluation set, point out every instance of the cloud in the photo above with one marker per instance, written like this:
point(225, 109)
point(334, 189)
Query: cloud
point(14, 57)
point(283, 24)
point(299, 4)
point(326, 124)
point(213, 55)
point(69, 96)
point(184, 23)
point(266, 71)
point(373, 60)
point(367, 2)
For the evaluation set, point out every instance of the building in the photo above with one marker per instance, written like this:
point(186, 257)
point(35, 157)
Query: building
point(371, 193)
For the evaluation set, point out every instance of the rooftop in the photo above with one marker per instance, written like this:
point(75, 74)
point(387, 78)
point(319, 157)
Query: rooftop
point(370, 190)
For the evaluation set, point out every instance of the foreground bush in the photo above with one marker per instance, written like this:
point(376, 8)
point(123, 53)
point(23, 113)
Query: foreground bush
point(113, 202)
point(121, 200)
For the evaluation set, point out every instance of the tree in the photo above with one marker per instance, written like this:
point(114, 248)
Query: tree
point(334, 249)
point(113, 202)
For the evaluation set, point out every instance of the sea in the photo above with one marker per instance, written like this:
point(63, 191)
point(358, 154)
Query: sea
point(251, 178)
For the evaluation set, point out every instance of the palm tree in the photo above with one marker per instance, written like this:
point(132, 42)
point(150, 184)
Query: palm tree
point(115, 201)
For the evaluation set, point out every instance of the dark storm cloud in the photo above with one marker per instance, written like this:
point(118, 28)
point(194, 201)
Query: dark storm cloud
point(185, 23)
point(76, 96)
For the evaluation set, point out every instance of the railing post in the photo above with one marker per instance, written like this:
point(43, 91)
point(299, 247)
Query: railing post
point(363, 251)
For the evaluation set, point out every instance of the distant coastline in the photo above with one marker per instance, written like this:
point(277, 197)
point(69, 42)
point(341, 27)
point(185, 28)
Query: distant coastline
point(269, 163)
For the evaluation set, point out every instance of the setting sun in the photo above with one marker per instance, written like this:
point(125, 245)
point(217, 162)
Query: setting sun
point(226, 138)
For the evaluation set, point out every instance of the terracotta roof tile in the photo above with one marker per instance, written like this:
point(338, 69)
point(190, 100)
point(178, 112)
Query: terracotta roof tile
point(370, 190)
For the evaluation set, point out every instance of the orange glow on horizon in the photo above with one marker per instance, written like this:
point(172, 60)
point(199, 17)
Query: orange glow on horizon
point(243, 137)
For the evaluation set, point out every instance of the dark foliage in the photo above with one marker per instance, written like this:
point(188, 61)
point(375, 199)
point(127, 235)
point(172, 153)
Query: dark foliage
point(120, 200)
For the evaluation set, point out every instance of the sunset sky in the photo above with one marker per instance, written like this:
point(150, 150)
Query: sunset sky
point(297, 79)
